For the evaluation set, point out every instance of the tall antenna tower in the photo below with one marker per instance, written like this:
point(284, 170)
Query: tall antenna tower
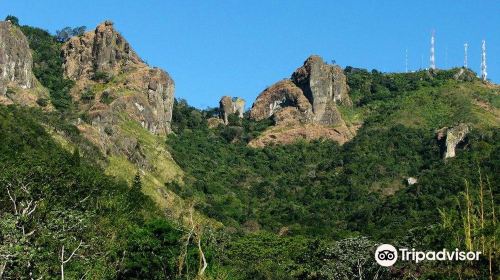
point(483, 61)
point(432, 59)
point(466, 46)
point(406, 61)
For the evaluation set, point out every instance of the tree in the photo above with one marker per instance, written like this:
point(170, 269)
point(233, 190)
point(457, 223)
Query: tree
point(137, 184)
point(67, 32)
point(14, 20)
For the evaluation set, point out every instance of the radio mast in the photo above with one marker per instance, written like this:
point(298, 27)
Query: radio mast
point(432, 59)
point(465, 54)
point(484, 74)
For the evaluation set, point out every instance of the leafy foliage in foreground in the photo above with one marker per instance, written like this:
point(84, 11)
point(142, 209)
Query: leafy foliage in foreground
point(51, 199)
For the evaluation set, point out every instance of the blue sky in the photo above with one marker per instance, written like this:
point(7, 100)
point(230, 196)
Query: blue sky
point(215, 48)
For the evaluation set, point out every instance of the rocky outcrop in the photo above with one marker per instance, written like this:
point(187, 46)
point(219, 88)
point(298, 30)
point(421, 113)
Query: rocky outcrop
point(17, 83)
point(281, 95)
point(314, 89)
point(131, 87)
point(464, 74)
point(305, 106)
point(452, 137)
point(324, 85)
point(229, 105)
point(103, 50)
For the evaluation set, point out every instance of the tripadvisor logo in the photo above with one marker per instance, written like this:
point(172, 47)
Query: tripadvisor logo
point(387, 255)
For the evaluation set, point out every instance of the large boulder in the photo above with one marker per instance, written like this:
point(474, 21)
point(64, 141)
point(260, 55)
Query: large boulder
point(231, 105)
point(324, 85)
point(17, 82)
point(314, 89)
point(278, 96)
point(135, 90)
point(452, 137)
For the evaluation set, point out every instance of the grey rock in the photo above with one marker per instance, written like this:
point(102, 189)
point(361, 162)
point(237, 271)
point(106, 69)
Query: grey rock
point(452, 137)
point(231, 105)
point(16, 61)
point(324, 85)
point(105, 51)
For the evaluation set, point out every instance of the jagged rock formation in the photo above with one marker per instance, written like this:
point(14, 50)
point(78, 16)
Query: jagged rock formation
point(314, 89)
point(305, 106)
point(323, 85)
point(17, 82)
point(229, 105)
point(452, 137)
point(144, 94)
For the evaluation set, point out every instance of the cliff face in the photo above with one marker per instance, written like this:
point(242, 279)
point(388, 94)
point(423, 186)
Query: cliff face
point(324, 85)
point(17, 82)
point(104, 57)
point(15, 58)
point(229, 105)
point(305, 106)
point(314, 89)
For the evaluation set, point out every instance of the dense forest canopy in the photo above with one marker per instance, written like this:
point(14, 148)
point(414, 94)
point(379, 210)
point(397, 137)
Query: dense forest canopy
point(308, 210)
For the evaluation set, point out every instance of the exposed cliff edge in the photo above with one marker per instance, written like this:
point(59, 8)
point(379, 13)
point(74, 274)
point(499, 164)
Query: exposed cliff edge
point(125, 106)
point(17, 83)
point(111, 79)
point(305, 106)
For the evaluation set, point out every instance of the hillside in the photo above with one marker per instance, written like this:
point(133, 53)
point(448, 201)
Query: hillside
point(106, 168)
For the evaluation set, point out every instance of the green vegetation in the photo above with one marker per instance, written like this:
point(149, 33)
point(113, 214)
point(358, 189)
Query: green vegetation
point(53, 199)
point(321, 190)
point(47, 66)
point(310, 210)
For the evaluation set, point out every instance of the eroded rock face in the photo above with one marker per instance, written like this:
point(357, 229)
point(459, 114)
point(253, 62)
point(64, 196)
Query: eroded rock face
point(324, 85)
point(133, 89)
point(18, 84)
point(452, 137)
point(16, 61)
point(278, 96)
point(229, 105)
point(103, 50)
point(305, 106)
point(314, 89)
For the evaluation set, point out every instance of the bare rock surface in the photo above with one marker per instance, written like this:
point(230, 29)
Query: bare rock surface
point(452, 137)
point(103, 64)
point(305, 106)
point(18, 84)
point(231, 105)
